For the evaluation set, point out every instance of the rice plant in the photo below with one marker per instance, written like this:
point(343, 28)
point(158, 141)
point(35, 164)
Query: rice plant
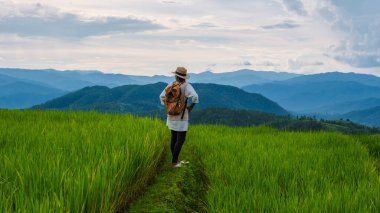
point(89, 162)
point(75, 161)
point(264, 170)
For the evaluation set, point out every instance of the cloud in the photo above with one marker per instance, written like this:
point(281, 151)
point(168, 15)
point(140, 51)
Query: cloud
point(295, 64)
point(360, 47)
point(168, 2)
point(247, 63)
point(198, 33)
point(327, 14)
point(287, 24)
point(358, 8)
point(268, 64)
point(205, 25)
point(210, 67)
point(49, 22)
point(317, 63)
point(362, 60)
point(295, 6)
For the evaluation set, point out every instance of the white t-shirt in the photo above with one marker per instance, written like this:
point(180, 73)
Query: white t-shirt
point(175, 122)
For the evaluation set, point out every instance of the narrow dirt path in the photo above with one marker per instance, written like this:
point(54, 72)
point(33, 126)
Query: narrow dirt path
point(176, 189)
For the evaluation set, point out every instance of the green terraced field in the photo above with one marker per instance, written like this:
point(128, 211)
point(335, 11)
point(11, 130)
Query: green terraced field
point(77, 162)
point(261, 169)
point(89, 162)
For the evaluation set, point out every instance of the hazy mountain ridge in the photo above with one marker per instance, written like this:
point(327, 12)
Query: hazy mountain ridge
point(144, 98)
point(72, 79)
point(309, 97)
point(241, 78)
point(319, 94)
point(17, 93)
point(307, 94)
point(369, 117)
point(349, 106)
point(365, 79)
point(61, 82)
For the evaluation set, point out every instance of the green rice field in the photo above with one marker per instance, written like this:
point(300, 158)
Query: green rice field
point(261, 169)
point(89, 162)
point(75, 162)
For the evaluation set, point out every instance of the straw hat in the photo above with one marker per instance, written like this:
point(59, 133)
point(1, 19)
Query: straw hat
point(181, 72)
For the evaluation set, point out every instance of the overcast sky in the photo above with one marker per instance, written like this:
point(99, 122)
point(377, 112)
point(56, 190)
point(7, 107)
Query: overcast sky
point(148, 37)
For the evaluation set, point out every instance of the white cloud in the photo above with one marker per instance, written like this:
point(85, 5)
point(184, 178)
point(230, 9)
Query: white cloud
point(359, 25)
point(286, 24)
point(296, 64)
point(169, 2)
point(150, 37)
point(39, 20)
point(205, 25)
point(295, 6)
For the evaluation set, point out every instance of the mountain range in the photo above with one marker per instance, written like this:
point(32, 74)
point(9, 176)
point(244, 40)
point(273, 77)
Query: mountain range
point(145, 98)
point(323, 93)
point(349, 106)
point(24, 86)
point(17, 93)
point(71, 80)
point(370, 117)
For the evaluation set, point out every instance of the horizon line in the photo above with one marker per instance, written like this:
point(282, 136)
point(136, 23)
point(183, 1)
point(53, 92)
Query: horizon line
point(122, 73)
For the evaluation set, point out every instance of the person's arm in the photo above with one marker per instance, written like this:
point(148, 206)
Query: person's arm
point(190, 108)
point(162, 95)
point(190, 93)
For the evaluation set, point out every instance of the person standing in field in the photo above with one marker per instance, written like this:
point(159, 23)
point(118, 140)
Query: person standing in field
point(175, 97)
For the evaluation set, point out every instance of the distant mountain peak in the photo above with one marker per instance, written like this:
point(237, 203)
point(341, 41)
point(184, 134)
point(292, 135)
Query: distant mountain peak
point(366, 79)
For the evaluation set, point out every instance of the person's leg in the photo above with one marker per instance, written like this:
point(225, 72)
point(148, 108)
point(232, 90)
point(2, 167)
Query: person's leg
point(173, 141)
point(181, 136)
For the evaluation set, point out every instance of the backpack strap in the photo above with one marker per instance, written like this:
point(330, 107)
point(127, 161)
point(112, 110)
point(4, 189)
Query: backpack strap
point(184, 110)
point(183, 113)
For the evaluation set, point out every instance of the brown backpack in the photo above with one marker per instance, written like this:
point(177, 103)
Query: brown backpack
point(175, 101)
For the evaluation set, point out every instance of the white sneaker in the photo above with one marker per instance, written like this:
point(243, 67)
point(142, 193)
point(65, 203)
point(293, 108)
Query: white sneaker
point(184, 162)
point(178, 165)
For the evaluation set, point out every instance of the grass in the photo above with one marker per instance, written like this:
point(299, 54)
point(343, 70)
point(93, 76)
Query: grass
point(372, 143)
point(176, 189)
point(77, 162)
point(261, 169)
point(89, 162)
